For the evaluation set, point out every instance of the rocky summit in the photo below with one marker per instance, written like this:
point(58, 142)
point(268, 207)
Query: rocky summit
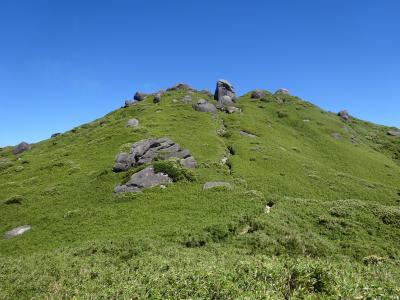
point(182, 194)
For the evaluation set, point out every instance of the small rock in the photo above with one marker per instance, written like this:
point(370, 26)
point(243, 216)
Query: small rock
point(55, 135)
point(213, 184)
point(139, 96)
point(245, 133)
point(132, 123)
point(203, 106)
point(16, 231)
point(344, 115)
point(282, 92)
point(257, 94)
point(224, 88)
point(22, 147)
point(336, 135)
point(174, 100)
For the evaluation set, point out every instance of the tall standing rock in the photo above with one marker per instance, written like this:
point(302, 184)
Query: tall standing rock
point(224, 88)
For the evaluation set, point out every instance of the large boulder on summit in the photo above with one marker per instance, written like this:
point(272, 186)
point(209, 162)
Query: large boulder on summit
point(22, 147)
point(224, 88)
point(139, 96)
point(203, 106)
point(344, 115)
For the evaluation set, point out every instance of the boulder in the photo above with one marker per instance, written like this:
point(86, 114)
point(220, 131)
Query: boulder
point(22, 147)
point(232, 109)
point(157, 98)
point(128, 103)
point(282, 92)
point(132, 123)
point(139, 96)
point(213, 184)
point(143, 179)
point(257, 94)
point(394, 133)
point(224, 88)
point(203, 106)
point(16, 231)
point(344, 115)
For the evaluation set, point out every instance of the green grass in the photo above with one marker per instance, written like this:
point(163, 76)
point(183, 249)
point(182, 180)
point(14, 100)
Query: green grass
point(333, 229)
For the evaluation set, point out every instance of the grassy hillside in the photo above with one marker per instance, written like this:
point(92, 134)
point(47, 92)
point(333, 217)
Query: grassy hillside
point(333, 188)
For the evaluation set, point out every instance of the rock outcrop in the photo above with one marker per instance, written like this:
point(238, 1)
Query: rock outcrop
point(224, 88)
point(143, 179)
point(257, 94)
point(22, 147)
point(16, 231)
point(145, 151)
point(139, 96)
point(180, 87)
point(344, 115)
point(203, 106)
point(55, 135)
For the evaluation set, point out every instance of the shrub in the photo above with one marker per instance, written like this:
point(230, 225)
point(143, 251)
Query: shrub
point(174, 170)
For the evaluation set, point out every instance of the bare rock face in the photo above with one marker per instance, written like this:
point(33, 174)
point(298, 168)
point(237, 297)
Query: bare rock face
point(344, 115)
point(139, 96)
point(224, 88)
point(22, 147)
point(203, 106)
point(16, 231)
point(282, 92)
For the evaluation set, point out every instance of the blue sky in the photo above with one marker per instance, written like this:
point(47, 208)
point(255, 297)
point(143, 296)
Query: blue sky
point(64, 63)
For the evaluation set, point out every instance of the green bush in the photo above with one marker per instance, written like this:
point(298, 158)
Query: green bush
point(174, 170)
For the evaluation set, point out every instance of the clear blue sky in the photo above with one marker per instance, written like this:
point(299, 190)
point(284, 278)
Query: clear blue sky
point(67, 62)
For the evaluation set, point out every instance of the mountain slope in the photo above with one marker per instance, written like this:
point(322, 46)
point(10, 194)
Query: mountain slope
point(331, 187)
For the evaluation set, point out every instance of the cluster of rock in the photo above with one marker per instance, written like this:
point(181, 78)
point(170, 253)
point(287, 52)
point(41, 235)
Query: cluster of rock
point(145, 151)
point(21, 147)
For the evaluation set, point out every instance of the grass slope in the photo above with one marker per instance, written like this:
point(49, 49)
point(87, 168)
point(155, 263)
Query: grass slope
point(333, 230)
